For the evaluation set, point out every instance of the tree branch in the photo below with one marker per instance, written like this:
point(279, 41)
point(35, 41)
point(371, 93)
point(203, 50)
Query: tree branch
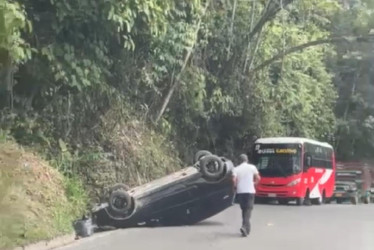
point(311, 44)
point(231, 29)
point(269, 13)
point(248, 52)
point(176, 82)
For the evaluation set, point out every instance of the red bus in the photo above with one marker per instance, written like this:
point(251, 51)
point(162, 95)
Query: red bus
point(294, 168)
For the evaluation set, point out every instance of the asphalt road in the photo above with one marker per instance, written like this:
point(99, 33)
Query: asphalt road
point(340, 227)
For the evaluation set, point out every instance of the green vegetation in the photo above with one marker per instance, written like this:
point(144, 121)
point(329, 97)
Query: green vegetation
point(124, 91)
point(354, 69)
point(36, 202)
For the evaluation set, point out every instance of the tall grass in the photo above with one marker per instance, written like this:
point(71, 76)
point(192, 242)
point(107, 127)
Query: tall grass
point(36, 201)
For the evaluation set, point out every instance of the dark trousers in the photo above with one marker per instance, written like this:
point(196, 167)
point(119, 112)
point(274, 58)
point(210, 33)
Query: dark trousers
point(246, 202)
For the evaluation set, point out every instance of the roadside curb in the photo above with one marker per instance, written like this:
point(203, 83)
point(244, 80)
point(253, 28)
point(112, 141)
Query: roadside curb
point(49, 244)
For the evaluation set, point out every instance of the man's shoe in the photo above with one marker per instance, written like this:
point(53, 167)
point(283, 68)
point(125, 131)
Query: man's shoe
point(244, 232)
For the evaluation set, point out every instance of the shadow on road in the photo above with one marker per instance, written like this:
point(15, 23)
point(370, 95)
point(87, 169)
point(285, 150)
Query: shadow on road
point(208, 223)
point(200, 224)
point(227, 235)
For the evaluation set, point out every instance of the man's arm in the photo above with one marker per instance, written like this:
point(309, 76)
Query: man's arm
point(234, 180)
point(256, 178)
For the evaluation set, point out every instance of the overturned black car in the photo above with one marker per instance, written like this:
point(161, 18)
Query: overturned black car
point(182, 198)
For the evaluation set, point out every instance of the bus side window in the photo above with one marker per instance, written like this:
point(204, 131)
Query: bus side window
point(307, 161)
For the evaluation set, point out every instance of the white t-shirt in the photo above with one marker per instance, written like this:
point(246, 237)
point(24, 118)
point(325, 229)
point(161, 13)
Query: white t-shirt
point(244, 174)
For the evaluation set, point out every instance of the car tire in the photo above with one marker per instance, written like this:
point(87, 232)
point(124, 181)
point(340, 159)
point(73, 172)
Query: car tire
point(209, 171)
point(354, 200)
point(120, 201)
point(200, 154)
point(115, 187)
point(119, 186)
point(367, 200)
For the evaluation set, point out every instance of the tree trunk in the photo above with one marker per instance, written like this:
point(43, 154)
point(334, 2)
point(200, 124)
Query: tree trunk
point(269, 13)
point(176, 82)
point(248, 50)
point(7, 80)
point(347, 107)
point(231, 29)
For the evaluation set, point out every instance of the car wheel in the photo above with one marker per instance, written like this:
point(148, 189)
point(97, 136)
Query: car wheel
point(200, 154)
point(119, 186)
point(354, 200)
point(367, 200)
point(212, 167)
point(120, 201)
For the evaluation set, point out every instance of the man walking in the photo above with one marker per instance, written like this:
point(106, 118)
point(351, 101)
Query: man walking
point(245, 177)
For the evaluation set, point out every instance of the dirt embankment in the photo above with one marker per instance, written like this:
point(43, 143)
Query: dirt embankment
point(34, 204)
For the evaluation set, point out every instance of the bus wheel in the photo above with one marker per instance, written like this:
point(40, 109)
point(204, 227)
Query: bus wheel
point(317, 201)
point(307, 200)
point(320, 200)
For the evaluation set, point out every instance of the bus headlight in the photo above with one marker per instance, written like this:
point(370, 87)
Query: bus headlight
point(294, 182)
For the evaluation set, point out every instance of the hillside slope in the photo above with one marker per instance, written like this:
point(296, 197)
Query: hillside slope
point(36, 201)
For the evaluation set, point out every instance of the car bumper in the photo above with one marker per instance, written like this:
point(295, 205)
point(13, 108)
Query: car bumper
point(343, 195)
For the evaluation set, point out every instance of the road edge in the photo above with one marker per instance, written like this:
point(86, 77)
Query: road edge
point(49, 244)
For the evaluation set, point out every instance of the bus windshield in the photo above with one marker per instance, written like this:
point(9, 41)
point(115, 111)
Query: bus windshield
point(277, 160)
point(278, 165)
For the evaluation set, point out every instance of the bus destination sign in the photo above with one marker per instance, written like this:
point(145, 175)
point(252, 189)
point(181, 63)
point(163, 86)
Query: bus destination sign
point(277, 151)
